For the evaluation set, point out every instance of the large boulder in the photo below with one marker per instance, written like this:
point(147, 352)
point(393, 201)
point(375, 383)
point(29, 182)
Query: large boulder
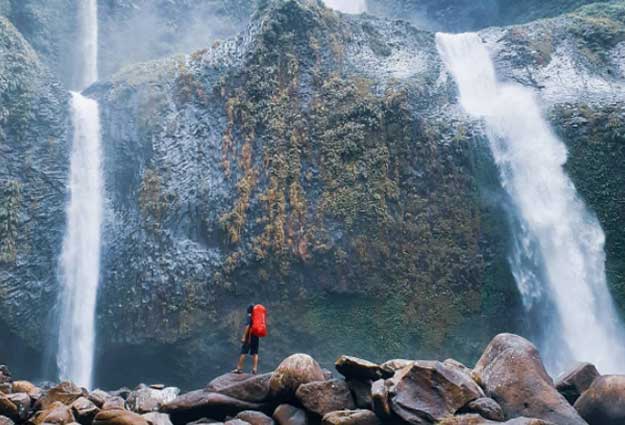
point(227, 380)
point(253, 388)
point(604, 402)
point(485, 407)
point(294, 371)
point(203, 404)
point(353, 367)
point(324, 397)
point(573, 383)
point(6, 421)
point(155, 418)
point(391, 366)
point(475, 419)
point(351, 417)
point(26, 387)
point(5, 374)
point(22, 401)
point(8, 408)
point(114, 403)
point(56, 413)
point(84, 410)
point(255, 418)
point(380, 400)
point(99, 397)
point(426, 392)
point(65, 392)
point(286, 414)
point(361, 391)
point(146, 399)
point(512, 373)
point(119, 417)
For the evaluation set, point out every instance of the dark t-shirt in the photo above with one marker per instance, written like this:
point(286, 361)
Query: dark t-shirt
point(248, 322)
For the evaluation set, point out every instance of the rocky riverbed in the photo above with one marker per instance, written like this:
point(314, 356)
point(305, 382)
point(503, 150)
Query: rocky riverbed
point(508, 385)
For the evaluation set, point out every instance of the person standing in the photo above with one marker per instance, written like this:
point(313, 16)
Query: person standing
point(250, 341)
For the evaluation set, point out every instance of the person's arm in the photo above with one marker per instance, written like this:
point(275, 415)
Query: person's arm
point(246, 334)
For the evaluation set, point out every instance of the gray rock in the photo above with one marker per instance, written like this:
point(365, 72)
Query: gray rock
point(573, 383)
point(353, 367)
point(255, 418)
point(604, 402)
point(155, 418)
point(351, 417)
point(485, 407)
point(295, 370)
point(286, 414)
point(324, 397)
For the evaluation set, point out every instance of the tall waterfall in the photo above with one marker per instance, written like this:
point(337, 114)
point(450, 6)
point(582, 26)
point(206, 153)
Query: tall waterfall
point(347, 6)
point(558, 260)
point(80, 258)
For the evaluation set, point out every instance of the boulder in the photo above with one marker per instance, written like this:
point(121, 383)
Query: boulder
point(8, 408)
point(429, 391)
point(5, 374)
point(25, 387)
point(255, 418)
point(227, 380)
point(65, 392)
point(146, 399)
point(485, 407)
point(324, 397)
point(455, 364)
point(114, 403)
point(205, 421)
point(84, 410)
point(573, 383)
point(99, 397)
point(392, 366)
point(56, 413)
point(294, 371)
point(511, 372)
point(6, 387)
point(203, 404)
point(361, 391)
point(155, 418)
point(380, 401)
point(351, 417)
point(474, 419)
point(604, 402)
point(285, 414)
point(6, 421)
point(235, 422)
point(254, 388)
point(353, 367)
point(123, 392)
point(22, 401)
point(119, 417)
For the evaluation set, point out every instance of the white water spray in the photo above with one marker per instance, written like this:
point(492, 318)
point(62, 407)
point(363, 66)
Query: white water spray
point(80, 258)
point(556, 226)
point(347, 6)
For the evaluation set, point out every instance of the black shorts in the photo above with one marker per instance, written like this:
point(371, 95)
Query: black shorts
point(251, 347)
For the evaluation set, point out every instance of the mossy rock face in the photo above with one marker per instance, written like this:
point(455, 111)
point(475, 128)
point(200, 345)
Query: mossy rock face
point(301, 167)
point(34, 157)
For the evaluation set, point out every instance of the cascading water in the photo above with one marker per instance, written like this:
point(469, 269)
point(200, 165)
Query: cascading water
point(347, 6)
point(556, 228)
point(80, 258)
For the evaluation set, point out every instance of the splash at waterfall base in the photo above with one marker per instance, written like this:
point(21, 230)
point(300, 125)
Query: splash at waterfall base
point(508, 383)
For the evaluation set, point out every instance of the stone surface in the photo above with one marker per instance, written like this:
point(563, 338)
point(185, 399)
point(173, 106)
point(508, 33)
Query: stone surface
point(98, 397)
point(155, 418)
point(351, 417)
point(8, 408)
point(485, 407)
point(511, 372)
point(6, 421)
point(573, 383)
point(84, 410)
point(25, 387)
point(361, 391)
point(255, 418)
point(203, 404)
point(252, 388)
point(114, 403)
point(604, 402)
point(65, 392)
point(23, 403)
point(414, 401)
point(292, 372)
point(392, 366)
point(56, 413)
point(380, 399)
point(286, 414)
point(146, 399)
point(353, 367)
point(324, 397)
point(119, 417)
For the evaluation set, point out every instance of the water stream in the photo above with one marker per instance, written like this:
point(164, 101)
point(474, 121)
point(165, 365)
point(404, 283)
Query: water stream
point(80, 257)
point(558, 259)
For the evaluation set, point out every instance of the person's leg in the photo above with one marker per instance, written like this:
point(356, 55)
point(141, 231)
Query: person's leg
point(255, 359)
point(241, 363)
point(255, 342)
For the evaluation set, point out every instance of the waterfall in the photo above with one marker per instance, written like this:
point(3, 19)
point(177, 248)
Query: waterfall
point(558, 259)
point(347, 6)
point(80, 257)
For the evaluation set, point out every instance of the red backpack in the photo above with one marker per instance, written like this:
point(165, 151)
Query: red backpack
point(259, 321)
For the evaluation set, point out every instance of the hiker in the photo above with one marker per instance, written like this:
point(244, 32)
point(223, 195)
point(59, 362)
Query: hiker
point(255, 328)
